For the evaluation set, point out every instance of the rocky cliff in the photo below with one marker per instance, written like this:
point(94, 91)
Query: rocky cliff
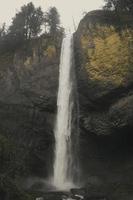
point(104, 67)
point(28, 94)
point(103, 46)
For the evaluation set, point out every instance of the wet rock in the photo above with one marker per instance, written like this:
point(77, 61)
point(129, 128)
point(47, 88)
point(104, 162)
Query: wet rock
point(39, 198)
point(79, 191)
point(56, 195)
point(121, 113)
point(38, 186)
point(96, 198)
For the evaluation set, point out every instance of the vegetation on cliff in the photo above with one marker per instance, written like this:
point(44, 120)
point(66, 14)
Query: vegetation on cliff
point(119, 5)
point(108, 49)
point(104, 63)
point(104, 57)
point(108, 54)
point(28, 24)
point(31, 43)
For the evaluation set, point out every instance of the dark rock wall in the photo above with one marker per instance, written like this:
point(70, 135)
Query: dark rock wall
point(106, 126)
point(28, 94)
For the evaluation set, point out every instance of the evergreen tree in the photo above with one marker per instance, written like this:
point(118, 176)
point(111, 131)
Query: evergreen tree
point(120, 5)
point(27, 23)
point(53, 20)
point(2, 31)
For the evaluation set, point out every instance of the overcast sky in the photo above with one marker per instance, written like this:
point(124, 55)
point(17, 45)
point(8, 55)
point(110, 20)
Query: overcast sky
point(68, 9)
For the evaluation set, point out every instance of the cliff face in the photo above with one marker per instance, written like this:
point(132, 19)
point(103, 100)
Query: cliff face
point(28, 93)
point(104, 67)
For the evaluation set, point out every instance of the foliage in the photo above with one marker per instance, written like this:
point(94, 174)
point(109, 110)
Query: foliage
point(2, 31)
point(120, 5)
point(27, 23)
point(109, 55)
point(53, 19)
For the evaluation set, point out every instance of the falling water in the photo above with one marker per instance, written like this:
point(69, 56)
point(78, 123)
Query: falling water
point(63, 149)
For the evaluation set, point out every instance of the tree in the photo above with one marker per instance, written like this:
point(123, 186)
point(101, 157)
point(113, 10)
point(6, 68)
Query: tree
point(27, 23)
point(53, 20)
point(2, 31)
point(3, 36)
point(120, 5)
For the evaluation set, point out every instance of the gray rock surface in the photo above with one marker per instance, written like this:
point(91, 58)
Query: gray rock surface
point(28, 95)
point(106, 126)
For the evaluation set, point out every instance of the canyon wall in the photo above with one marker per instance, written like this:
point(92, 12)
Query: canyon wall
point(104, 68)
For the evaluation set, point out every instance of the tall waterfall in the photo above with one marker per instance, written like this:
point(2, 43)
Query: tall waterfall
point(63, 162)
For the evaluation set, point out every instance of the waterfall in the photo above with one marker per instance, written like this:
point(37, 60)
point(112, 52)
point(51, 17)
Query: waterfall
point(63, 170)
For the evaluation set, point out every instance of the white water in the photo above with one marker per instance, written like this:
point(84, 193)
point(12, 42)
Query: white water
point(62, 178)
